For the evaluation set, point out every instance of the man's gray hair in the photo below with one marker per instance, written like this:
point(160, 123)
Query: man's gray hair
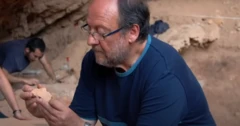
point(134, 12)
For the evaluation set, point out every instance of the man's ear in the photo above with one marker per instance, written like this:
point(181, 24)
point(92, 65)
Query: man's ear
point(27, 50)
point(133, 33)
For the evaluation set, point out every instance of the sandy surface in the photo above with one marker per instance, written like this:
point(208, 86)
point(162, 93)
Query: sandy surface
point(216, 67)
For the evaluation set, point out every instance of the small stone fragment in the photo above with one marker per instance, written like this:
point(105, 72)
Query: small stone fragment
point(43, 93)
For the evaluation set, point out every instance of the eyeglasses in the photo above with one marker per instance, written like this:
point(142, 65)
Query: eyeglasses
point(98, 36)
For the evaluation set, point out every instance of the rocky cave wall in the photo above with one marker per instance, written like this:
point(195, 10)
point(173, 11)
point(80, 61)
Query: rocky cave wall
point(56, 21)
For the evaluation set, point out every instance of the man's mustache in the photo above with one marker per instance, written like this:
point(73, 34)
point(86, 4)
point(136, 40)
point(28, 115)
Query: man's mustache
point(97, 50)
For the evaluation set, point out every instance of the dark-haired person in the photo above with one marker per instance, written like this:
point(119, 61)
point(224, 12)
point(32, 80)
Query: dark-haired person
point(16, 55)
point(128, 78)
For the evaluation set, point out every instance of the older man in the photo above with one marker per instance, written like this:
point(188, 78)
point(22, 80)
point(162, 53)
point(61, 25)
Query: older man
point(128, 77)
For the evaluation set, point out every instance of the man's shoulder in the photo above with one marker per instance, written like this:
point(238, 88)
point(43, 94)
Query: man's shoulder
point(163, 48)
point(18, 41)
point(163, 55)
point(13, 45)
point(160, 60)
point(159, 54)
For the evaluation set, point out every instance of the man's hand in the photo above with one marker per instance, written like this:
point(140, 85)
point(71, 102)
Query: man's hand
point(31, 82)
point(31, 100)
point(57, 114)
point(54, 112)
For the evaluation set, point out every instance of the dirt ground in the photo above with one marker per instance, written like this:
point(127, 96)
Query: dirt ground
point(216, 67)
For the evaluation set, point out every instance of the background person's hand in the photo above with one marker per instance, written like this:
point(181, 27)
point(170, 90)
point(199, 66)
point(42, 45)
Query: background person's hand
point(30, 101)
point(18, 115)
point(51, 81)
point(31, 81)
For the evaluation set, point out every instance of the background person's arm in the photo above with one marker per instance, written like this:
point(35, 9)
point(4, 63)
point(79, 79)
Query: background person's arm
point(48, 68)
point(10, 65)
point(13, 79)
point(8, 93)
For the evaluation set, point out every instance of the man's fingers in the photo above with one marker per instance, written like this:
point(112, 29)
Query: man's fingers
point(31, 84)
point(26, 95)
point(36, 82)
point(31, 103)
point(27, 88)
point(48, 116)
point(40, 86)
point(57, 105)
point(47, 107)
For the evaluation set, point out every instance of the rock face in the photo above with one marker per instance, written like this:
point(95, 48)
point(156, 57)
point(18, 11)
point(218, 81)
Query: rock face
point(238, 26)
point(29, 17)
point(57, 22)
point(200, 34)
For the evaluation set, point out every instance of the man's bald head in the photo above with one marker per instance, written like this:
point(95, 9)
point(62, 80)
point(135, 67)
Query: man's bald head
point(103, 11)
point(125, 13)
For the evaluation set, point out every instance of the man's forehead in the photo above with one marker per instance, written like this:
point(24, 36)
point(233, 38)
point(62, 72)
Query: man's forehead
point(105, 10)
point(38, 52)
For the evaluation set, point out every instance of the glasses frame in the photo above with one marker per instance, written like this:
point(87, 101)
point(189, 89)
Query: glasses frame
point(102, 35)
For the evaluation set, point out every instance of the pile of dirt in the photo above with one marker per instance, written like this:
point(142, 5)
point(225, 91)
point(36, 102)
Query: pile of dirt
point(197, 34)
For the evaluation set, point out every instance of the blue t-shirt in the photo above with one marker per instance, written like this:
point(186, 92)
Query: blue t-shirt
point(158, 90)
point(12, 56)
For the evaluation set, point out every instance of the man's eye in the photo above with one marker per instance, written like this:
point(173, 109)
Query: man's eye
point(101, 31)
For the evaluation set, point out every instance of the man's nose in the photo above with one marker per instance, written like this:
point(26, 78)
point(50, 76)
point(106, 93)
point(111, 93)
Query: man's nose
point(92, 41)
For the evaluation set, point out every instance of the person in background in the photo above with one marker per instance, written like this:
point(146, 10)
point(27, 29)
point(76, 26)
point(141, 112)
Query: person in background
point(16, 55)
point(7, 91)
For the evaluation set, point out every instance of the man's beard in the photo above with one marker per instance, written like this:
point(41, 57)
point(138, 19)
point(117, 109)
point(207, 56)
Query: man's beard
point(117, 55)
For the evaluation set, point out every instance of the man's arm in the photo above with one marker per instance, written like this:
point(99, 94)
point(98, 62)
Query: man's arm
point(83, 103)
point(48, 68)
point(164, 102)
